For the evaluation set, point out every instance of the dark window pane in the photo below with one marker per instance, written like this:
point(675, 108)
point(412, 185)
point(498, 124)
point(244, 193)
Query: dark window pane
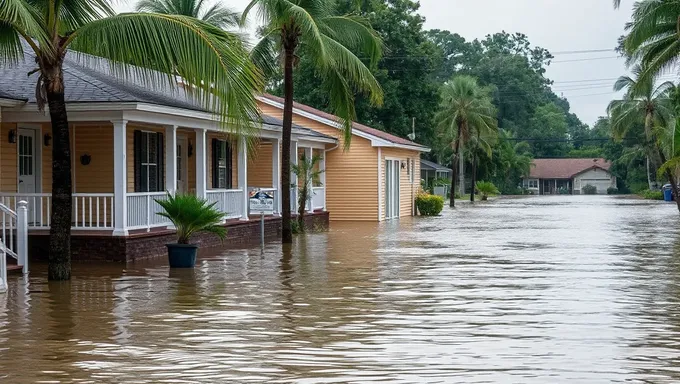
point(144, 179)
point(153, 147)
point(153, 178)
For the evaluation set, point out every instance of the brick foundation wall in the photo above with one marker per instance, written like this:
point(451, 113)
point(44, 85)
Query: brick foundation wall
point(148, 245)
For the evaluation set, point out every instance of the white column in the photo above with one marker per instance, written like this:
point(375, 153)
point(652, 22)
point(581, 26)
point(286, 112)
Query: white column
point(310, 186)
point(276, 172)
point(243, 175)
point(171, 159)
point(293, 178)
point(22, 235)
point(322, 177)
point(380, 184)
point(120, 177)
point(201, 162)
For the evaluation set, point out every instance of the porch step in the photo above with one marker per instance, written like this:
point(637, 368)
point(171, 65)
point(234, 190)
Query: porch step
point(13, 268)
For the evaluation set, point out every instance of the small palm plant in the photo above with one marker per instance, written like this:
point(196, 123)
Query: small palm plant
point(308, 173)
point(190, 215)
point(486, 189)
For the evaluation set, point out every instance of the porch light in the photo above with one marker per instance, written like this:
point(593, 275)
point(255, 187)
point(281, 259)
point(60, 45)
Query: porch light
point(403, 165)
point(85, 159)
point(46, 139)
point(12, 137)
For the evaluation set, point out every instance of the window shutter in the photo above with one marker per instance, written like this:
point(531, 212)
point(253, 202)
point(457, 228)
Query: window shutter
point(229, 166)
point(215, 163)
point(138, 160)
point(161, 162)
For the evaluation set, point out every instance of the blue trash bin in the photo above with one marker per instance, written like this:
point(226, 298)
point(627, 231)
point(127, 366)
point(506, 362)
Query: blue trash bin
point(667, 193)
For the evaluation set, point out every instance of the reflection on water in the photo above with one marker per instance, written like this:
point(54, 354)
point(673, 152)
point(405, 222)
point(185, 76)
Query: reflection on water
point(534, 290)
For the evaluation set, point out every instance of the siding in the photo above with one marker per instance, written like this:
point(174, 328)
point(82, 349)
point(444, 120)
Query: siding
point(96, 141)
point(8, 160)
point(191, 161)
point(260, 165)
point(351, 176)
point(407, 190)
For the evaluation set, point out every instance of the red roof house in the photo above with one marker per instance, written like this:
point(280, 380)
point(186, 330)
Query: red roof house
point(553, 176)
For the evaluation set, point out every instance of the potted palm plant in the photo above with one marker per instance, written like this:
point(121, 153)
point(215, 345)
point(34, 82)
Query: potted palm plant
point(190, 215)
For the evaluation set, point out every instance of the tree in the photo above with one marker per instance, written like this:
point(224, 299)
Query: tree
point(217, 15)
point(647, 104)
point(309, 174)
point(212, 61)
point(510, 162)
point(312, 29)
point(548, 129)
point(480, 146)
point(465, 110)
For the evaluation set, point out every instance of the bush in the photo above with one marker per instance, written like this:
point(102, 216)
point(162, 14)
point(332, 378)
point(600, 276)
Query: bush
point(589, 190)
point(563, 191)
point(652, 195)
point(486, 189)
point(612, 191)
point(429, 205)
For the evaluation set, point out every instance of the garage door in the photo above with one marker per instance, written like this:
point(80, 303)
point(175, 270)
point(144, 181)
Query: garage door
point(600, 184)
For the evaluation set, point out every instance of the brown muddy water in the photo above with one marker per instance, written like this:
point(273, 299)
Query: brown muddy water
point(532, 290)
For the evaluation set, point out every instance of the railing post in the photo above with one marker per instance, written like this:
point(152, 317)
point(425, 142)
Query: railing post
point(3, 270)
point(322, 177)
point(148, 212)
point(120, 178)
point(243, 176)
point(276, 173)
point(22, 235)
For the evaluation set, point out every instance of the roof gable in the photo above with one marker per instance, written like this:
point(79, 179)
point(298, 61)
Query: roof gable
point(565, 168)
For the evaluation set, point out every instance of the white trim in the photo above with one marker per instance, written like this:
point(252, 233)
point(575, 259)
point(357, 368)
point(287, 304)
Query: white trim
point(200, 151)
point(375, 140)
point(243, 176)
point(120, 177)
point(11, 102)
point(380, 186)
point(170, 159)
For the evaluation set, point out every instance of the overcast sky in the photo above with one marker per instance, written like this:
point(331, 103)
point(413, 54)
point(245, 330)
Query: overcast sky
point(557, 25)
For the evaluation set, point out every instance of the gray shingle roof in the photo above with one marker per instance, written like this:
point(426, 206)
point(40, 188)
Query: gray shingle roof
point(97, 84)
point(431, 166)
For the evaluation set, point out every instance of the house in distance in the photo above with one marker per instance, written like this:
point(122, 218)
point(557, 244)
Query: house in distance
point(569, 176)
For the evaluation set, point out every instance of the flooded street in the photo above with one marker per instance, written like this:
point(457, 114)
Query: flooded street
point(574, 289)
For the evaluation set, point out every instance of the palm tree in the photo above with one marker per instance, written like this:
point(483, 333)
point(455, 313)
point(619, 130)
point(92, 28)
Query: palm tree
point(217, 15)
point(653, 35)
point(213, 62)
point(309, 174)
point(647, 104)
point(512, 159)
point(312, 28)
point(480, 146)
point(466, 109)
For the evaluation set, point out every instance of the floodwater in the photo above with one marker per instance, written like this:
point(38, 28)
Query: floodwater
point(529, 290)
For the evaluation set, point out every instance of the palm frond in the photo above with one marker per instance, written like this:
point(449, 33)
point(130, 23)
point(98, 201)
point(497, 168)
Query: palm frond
point(354, 33)
point(212, 63)
point(190, 215)
point(19, 17)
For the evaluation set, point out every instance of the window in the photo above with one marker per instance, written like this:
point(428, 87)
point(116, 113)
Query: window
point(533, 183)
point(222, 164)
point(148, 147)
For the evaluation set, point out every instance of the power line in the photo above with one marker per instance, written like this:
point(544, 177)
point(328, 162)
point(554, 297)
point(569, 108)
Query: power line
point(585, 59)
point(582, 51)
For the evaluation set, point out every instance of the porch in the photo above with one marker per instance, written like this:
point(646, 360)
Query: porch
point(122, 167)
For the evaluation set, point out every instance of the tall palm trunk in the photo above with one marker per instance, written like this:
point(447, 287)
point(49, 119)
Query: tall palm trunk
point(59, 267)
point(473, 178)
point(454, 167)
point(649, 175)
point(286, 230)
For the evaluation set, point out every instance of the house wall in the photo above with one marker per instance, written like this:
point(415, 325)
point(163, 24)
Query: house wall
point(260, 165)
point(8, 157)
point(190, 134)
point(95, 140)
point(351, 176)
point(407, 189)
point(598, 177)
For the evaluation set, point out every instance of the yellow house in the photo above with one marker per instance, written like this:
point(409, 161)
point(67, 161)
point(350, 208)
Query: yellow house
point(376, 179)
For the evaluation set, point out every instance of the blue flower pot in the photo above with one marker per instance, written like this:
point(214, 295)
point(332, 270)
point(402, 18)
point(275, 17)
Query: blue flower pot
point(182, 255)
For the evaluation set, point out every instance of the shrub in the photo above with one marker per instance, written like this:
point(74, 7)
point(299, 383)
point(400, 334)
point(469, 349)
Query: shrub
point(190, 215)
point(612, 191)
point(652, 195)
point(429, 205)
point(486, 189)
point(589, 190)
point(563, 191)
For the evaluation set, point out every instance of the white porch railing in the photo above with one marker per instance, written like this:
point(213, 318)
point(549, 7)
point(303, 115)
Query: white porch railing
point(13, 239)
point(229, 201)
point(142, 210)
point(318, 198)
point(89, 210)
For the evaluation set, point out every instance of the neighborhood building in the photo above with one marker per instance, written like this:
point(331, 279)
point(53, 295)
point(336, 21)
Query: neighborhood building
point(375, 179)
point(430, 170)
point(568, 176)
point(131, 146)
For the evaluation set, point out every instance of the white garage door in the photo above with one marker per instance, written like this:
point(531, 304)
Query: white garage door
point(600, 184)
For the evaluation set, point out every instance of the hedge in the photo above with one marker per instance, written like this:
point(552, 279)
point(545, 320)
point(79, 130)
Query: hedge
point(429, 205)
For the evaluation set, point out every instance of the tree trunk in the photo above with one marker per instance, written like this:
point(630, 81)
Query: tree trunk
point(454, 167)
point(473, 178)
point(649, 175)
point(286, 230)
point(461, 173)
point(59, 267)
point(302, 204)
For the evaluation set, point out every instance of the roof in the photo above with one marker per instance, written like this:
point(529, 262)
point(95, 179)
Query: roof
point(565, 168)
point(9, 96)
point(355, 126)
point(432, 166)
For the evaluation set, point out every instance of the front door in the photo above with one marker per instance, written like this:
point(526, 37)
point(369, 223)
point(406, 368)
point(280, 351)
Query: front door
point(27, 160)
point(182, 183)
point(391, 189)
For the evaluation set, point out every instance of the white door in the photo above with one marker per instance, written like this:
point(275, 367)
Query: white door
point(391, 189)
point(182, 159)
point(27, 160)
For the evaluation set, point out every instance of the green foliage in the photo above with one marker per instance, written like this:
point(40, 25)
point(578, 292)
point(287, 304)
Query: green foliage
point(429, 205)
point(586, 152)
point(190, 215)
point(563, 191)
point(486, 189)
point(589, 189)
point(612, 191)
point(651, 195)
point(308, 174)
point(217, 14)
